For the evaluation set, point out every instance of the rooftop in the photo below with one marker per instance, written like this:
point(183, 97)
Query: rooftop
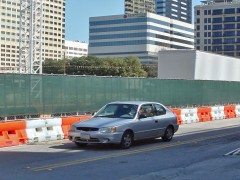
point(211, 2)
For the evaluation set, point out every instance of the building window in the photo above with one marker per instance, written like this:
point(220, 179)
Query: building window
point(217, 11)
point(229, 53)
point(229, 11)
point(229, 19)
point(217, 20)
point(217, 48)
point(229, 48)
point(229, 26)
point(198, 12)
point(229, 33)
point(229, 40)
point(217, 27)
point(217, 41)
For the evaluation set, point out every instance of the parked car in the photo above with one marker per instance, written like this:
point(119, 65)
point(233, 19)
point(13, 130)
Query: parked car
point(125, 122)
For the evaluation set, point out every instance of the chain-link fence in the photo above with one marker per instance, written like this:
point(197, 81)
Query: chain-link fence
point(59, 95)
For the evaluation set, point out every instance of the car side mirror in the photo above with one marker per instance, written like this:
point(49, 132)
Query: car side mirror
point(141, 116)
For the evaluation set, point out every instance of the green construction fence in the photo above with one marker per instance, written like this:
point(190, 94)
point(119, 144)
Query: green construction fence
point(23, 94)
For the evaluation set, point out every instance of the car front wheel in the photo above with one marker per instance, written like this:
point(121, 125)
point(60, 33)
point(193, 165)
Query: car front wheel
point(168, 135)
point(127, 140)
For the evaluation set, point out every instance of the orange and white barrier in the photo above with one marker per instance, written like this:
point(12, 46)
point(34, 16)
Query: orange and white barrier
point(178, 114)
point(237, 110)
point(218, 113)
point(36, 130)
point(68, 121)
point(189, 116)
point(230, 111)
point(54, 128)
point(204, 114)
point(12, 133)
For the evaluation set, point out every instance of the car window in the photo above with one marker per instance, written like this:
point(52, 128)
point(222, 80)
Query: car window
point(118, 111)
point(147, 110)
point(160, 110)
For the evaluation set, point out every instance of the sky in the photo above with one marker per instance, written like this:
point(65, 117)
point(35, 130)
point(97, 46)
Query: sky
point(79, 11)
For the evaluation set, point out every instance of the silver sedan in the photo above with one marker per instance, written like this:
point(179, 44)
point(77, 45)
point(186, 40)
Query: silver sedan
point(125, 122)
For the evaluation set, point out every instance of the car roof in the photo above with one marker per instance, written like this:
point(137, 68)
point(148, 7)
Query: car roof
point(133, 102)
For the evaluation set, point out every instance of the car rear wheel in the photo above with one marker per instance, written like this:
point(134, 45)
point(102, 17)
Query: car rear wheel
point(168, 135)
point(81, 144)
point(127, 140)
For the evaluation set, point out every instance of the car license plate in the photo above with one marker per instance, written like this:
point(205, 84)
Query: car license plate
point(85, 136)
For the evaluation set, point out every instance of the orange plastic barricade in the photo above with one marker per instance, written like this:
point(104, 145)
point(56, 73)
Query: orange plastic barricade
point(12, 133)
point(178, 114)
point(204, 114)
point(68, 121)
point(230, 111)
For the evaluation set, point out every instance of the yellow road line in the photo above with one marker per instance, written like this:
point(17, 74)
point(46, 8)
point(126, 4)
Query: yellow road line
point(131, 152)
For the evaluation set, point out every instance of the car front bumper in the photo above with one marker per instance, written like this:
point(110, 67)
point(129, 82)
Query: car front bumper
point(94, 137)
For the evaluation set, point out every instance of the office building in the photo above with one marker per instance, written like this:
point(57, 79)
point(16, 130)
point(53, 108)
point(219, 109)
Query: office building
point(53, 33)
point(175, 9)
point(217, 27)
point(139, 6)
point(75, 49)
point(141, 35)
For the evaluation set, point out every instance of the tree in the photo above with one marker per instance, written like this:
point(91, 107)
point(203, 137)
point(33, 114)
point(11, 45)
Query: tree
point(51, 66)
point(152, 70)
point(90, 65)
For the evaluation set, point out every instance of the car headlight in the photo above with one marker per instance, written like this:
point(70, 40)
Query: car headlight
point(108, 130)
point(72, 128)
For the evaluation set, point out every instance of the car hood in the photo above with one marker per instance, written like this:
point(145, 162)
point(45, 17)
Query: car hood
point(99, 122)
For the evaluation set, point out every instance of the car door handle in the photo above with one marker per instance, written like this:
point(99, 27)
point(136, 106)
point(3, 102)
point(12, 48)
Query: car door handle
point(156, 121)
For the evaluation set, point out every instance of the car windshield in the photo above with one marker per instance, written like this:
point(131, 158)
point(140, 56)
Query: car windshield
point(127, 111)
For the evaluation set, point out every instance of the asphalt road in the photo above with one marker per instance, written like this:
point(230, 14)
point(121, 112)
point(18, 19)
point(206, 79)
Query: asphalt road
point(197, 151)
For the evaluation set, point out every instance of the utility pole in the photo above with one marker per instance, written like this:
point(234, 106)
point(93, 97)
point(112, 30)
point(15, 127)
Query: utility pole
point(30, 36)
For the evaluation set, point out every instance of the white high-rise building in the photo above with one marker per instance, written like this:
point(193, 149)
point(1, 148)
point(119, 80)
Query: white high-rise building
point(75, 49)
point(53, 32)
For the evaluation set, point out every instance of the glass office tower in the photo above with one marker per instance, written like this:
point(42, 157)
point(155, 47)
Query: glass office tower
point(141, 35)
point(175, 9)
